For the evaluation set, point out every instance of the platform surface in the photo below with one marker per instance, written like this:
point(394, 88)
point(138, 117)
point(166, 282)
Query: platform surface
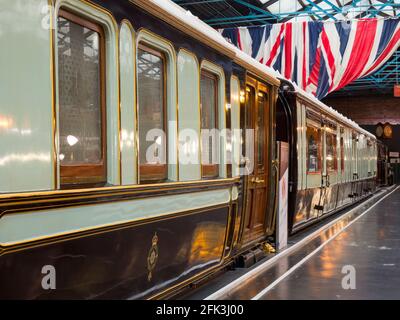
point(370, 246)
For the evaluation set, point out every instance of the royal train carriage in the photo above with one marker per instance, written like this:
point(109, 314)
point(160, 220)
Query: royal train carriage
point(333, 161)
point(84, 214)
point(82, 85)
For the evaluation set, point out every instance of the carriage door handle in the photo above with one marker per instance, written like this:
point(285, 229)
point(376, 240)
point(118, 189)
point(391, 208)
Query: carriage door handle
point(260, 180)
point(257, 180)
point(327, 182)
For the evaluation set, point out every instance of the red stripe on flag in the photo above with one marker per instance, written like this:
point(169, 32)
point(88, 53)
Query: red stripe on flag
point(239, 40)
point(304, 70)
point(275, 47)
point(314, 74)
point(288, 51)
point(392, 43)
point(363, 43)
point(329, 54)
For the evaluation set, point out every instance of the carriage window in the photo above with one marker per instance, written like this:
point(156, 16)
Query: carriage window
point(342, 154)
point(209, 121)
point(262, 103)
point(152, 115)
point(331, 157)
point(369, 156)
point(354, 153)
point(81, 101)
point(313, 149)
point(247, 122)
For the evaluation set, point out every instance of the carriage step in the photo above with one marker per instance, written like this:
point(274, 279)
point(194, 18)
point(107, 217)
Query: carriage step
point(248, 259)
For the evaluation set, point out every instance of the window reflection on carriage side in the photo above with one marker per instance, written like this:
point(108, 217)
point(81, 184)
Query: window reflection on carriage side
point(151, 66)
point(209, 124)
point(331, 152)
point(314, 150)
point(81, 97)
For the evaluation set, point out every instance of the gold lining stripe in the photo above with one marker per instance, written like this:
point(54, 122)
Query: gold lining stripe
point(115, 189)
point(86, 203)
point(53, 93)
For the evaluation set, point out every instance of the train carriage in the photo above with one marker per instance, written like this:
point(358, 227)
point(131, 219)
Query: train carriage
point(83, 84)
point(88, 88)
point(333, 161)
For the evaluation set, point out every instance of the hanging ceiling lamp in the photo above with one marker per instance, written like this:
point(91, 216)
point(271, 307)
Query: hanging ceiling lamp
point(397, 90)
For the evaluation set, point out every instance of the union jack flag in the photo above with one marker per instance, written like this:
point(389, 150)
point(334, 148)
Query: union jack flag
point(320, 57)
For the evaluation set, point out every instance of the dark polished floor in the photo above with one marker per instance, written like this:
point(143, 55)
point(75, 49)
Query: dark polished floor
point(365, 237)
point(370, 246)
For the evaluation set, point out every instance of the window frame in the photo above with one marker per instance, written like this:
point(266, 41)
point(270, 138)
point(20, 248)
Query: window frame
point(210, 171)
point(90, 175)
point(355, 166)
point(342, 161)
point(335, 153)
point(369, 157)
point(320, 150)
point(262, 90)
point(154, 173)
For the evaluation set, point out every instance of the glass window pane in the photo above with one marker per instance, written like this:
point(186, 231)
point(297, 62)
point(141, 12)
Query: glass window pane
point(79, 75)
point(151, 115)
point(208, 101)
point(331, 159)
point(248, 114)
point(209, 98)
point(354, 154)
point(262, 101)
point(313, 149)
point(342, 154)
point(250, 101)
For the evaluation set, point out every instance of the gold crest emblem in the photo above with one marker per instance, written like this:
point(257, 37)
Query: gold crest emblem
point(152, 257)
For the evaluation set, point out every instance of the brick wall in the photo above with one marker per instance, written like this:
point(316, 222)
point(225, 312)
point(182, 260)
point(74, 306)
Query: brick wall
point(368, 110)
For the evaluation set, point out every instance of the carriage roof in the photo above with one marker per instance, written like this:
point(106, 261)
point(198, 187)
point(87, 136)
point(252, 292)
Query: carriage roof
point(186, 21)
point(192, 25)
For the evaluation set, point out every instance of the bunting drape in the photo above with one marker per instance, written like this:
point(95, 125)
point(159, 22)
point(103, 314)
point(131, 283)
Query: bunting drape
point(320, 57)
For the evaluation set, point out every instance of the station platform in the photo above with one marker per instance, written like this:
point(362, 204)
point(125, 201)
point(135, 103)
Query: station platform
point(355, 255)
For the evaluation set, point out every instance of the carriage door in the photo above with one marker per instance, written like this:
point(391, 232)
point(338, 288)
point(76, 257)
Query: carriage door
point(354, 166)
point(330, 176)
point(314, 165)
point(257, 111)
point(342, 192)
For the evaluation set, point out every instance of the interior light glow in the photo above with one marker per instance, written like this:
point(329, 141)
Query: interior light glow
point(72, 140)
